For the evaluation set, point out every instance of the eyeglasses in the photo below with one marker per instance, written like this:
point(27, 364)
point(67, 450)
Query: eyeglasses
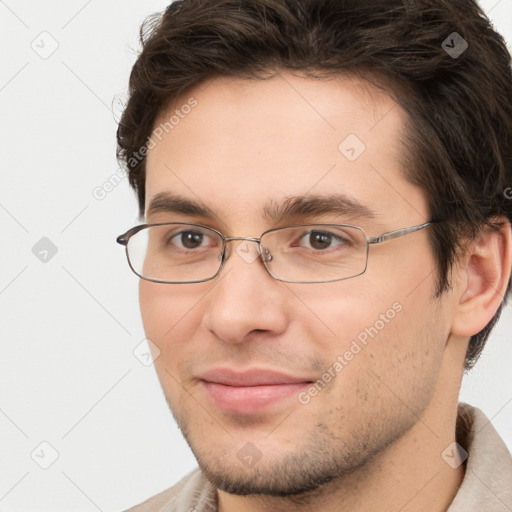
point(181, 252)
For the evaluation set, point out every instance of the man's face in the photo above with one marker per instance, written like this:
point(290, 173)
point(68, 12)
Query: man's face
point(281, 387)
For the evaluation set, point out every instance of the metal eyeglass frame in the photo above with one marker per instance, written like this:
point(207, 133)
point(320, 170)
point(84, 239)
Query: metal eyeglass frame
point(389, 235)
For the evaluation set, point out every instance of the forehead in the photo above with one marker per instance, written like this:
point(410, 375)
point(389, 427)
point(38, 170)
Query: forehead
point(237, 145)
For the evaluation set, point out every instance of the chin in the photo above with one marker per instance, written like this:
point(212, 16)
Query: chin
point(306, 470)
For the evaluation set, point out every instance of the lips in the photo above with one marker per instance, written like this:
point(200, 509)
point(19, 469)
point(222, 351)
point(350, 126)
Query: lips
point(250, 391)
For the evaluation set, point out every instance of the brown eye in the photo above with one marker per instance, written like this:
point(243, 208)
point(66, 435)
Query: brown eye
point(320, 240)
point(191, 239)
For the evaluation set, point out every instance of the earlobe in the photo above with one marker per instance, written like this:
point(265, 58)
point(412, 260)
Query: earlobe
point(482, 279)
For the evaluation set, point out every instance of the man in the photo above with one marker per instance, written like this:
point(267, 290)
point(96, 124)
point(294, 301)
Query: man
point(326, 246)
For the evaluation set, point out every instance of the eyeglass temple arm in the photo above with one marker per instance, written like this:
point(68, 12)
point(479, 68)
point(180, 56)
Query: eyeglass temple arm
point(390, 235)
point(123, 239)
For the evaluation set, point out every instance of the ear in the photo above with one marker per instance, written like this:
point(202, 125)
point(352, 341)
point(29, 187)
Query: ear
point(482, 278)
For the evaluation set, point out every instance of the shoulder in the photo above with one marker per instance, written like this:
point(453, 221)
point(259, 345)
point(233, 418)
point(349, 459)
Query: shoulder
point(193, 493)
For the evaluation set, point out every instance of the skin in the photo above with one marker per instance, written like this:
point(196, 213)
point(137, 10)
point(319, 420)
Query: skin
point(372, 438)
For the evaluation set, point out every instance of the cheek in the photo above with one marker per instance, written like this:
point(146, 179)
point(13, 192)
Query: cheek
point(156, 314)
point(393, 328)
point(347, 310)
point(168, 309)
point(386, 364)
point(171, 315)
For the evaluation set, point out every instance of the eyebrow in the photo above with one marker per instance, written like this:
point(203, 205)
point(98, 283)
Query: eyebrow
point(165, 202)
point(295, 207)
point(315, 205)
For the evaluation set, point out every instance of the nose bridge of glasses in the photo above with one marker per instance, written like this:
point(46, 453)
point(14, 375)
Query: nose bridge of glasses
point(249, 238)
point(264, 253)
point(241, 239)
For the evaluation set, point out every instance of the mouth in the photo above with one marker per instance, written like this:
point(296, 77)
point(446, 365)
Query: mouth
point(250, 391)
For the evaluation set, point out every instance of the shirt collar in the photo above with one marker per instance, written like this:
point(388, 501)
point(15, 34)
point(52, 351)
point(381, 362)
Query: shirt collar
point(487, 483)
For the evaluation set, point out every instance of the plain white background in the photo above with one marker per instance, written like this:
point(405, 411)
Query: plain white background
point(70, 327)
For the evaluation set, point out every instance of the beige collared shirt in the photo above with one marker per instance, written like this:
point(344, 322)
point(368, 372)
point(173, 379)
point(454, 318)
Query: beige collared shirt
point(486, 487)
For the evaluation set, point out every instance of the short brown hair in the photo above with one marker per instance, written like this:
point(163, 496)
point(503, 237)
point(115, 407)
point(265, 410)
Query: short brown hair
point(459, 142)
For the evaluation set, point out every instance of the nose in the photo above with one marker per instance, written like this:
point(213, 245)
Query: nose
point(245, 299)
